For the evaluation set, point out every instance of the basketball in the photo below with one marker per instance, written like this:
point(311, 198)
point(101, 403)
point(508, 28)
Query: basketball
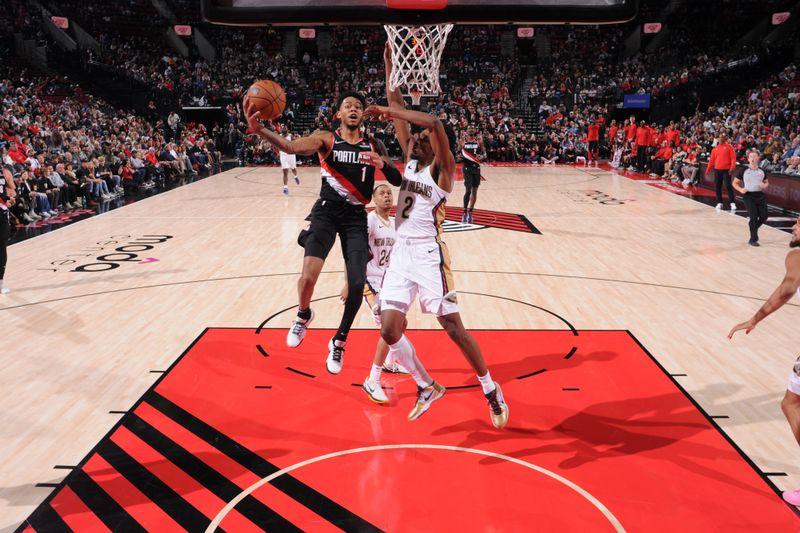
point(268, 98)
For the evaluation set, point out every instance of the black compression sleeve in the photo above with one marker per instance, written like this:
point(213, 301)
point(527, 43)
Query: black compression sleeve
point(391, 174)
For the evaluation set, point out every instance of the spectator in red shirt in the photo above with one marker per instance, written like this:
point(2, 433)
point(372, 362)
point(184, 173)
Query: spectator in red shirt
point(630, 130)
point(661, 157)
point(673, 135)
point(642, 144)
point(722, 162)
point(593, 137)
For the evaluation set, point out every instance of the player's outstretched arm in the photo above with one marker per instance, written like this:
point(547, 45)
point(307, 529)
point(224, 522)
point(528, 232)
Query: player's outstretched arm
point(781, 295)
point(443, 157)
point(395, 99)
point(381, 160)
point(319, 141)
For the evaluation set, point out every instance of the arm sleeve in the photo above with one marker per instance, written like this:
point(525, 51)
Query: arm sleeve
point(391, 174)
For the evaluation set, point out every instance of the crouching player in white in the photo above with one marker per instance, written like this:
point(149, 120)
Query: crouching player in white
point(380, 230)
point(420, 264)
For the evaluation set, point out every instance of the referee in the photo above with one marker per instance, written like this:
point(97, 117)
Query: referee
point(752, 185)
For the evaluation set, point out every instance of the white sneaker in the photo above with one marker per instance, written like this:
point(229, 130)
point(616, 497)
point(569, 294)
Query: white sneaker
point(5, 290)
point(298, 331)
point(335, 358)
point(733, 207)
point(53, 212)
point(375, 391)
point(45, 214)
point(33, 216)
point(297, 180)
point(285, 190)
point(718, 206)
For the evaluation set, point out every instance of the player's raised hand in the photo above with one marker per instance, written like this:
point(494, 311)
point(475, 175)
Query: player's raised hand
point(377, 112)
point(748, 326)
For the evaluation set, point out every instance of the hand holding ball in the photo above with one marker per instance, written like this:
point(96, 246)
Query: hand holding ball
point(267, 98)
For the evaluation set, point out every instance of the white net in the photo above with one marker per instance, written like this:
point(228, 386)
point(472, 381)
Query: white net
point(416, 55)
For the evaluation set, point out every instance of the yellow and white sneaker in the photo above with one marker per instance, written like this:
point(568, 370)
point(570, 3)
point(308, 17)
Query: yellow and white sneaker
point(498, 409)
point(375, 391)
point(425, 397)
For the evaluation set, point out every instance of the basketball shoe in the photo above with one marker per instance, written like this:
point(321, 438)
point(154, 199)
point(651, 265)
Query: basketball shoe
point(498, 410)
point(298, 331)
point(375, 391)
point(297, 180)
point(425, 397)
point(335, 358)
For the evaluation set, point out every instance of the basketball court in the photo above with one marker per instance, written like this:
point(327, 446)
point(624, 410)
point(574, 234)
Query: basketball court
point(148, 386)
point(151, 387)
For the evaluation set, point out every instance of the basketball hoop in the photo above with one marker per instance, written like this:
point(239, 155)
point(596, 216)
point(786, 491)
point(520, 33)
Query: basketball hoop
point(416, 56)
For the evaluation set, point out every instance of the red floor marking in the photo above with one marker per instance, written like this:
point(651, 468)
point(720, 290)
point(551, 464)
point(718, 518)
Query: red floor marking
point(199, 448)
point(75, 513)
point(142, 509)
point(628, 436)
point(192, 491)
point(594, 409)
point(226, 466)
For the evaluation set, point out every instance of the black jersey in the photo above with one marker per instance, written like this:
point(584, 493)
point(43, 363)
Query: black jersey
point(347, 171)
point(470, 152)
point(3, 190)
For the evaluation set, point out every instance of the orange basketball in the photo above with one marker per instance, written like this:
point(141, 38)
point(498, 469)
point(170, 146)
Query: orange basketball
point(268, 98)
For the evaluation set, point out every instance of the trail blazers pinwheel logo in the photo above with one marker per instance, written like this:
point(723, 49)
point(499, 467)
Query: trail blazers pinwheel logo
point(482, 219)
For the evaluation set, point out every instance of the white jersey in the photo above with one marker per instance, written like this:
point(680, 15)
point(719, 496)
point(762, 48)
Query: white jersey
point(281, 152)
point(381, 239)
point(420, 204)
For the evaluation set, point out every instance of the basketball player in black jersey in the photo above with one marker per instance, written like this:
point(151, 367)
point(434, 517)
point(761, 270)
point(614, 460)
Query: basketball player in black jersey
point(7, 196)
point(471, 147)
point(348, 164)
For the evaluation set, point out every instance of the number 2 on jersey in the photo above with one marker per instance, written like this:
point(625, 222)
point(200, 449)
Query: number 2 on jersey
point(409, 201)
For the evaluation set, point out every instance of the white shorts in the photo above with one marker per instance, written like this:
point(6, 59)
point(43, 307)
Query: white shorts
point(419, 267)
point(372, 290)
point(288, 161)
point(794, 378)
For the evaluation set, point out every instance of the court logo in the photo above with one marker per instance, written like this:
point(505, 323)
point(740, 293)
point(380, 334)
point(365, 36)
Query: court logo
point(482, 219)
point(111, 254)
point(588, 196)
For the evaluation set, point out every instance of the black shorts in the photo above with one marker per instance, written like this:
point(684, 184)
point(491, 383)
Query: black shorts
point(329, 218)
point(472, 177)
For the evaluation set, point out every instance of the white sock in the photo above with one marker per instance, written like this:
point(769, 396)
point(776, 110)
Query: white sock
point(405, 354)
point(375, 373)
point(486, 383)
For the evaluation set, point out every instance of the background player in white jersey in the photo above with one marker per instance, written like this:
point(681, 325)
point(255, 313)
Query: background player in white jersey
point(788, 288)
point(420, 264)
point(288, 162)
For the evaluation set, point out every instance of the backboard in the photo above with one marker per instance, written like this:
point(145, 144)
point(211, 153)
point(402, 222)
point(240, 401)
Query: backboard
point(416, 12)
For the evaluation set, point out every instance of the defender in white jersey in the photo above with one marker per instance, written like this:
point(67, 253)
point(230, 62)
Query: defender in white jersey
point(788, 288)
point(420, 264)
point(381, 233)
point(288, 162)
